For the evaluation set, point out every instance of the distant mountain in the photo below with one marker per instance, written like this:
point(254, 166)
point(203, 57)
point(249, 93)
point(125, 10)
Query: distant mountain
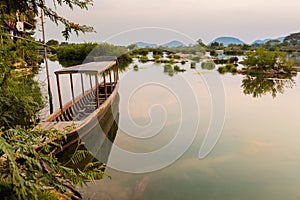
point(228, 40)
point(268, 39)
point(174, 43)
point(144, 45)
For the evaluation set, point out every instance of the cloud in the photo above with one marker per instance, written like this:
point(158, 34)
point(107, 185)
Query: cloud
point(257, 146)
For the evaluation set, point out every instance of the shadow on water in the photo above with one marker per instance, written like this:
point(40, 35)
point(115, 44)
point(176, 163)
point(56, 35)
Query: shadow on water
point(98, 139)
point(261, 85)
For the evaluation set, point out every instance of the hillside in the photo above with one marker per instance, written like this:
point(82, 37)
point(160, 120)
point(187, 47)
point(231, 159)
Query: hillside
point(144, 45)
point(267, 40)
point(228, 40)
point(174, 43)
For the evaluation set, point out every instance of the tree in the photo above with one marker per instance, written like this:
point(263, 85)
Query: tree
point(28, 170)
point(292, 39)
point(200, 42)
point(10, 7)
point(266, 60)
point(132, 47)
point(52, 43)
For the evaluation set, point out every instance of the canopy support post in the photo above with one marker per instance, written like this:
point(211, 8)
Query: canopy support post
point(59, 93)
point(97, 90)
point(82, 86)
point(105, 86)
point(72, 87)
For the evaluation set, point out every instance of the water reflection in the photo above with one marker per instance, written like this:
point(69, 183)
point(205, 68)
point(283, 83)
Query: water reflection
point(258, 86)
point(96, 137)
point(251, 161)
point(168, 69)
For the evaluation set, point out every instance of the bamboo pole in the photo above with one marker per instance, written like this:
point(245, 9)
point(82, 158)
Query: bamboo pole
point(46, 63)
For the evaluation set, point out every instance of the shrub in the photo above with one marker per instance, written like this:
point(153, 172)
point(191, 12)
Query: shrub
point(29, 172)
point(141, 51)
point(222, 70)
point(193, 65)
point(209, 65)
point(177, 68)
point(228, 68)
point(156, 56)
point(267, 60)
point(144, 59)
point(124, 60)
point(196, 58)
point(176, 57)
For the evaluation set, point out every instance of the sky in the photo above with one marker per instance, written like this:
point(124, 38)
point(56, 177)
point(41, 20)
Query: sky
point(160, 21)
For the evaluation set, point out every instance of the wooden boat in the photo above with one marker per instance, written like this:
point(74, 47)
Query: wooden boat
point(95, 106)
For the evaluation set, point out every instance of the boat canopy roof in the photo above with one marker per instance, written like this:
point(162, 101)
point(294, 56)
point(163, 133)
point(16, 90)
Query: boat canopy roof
point(92, 67)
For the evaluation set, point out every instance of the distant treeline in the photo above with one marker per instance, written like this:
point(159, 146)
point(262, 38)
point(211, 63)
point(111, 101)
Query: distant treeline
point(72, 54)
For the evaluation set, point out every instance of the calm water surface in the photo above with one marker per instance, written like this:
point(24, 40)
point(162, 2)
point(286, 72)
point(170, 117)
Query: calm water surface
point(257, 155)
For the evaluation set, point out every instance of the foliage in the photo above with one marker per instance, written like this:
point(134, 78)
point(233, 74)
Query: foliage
point(216, 46)
point(267, 60)
point(176, 56)
point(53, 43)
point(212, 53)
point(231, 60)
point(29, 170)
point(74, 52)
point(132, 47)
point(124, 60)
point(209, 65)
point(228, 68)
point(194, 49)
point(158, 51)
point(20, 96)
point(141, 51)
point(105, 49)
point(292, 40)
point(168, 69)
point(144, 59)
point(135, 67)
point(71, 54)
point(176, 68)
point(156, 56)
point(195, 58)
point(193, 65)
point(23, 6)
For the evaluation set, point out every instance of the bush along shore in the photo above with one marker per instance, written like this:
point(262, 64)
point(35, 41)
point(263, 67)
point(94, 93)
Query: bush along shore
point(263, 62)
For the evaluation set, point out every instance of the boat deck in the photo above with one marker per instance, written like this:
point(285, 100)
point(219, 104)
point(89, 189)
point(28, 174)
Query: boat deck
point(77, 111)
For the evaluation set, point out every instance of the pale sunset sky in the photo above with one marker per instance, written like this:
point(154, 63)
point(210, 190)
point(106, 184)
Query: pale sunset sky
point(160, 21)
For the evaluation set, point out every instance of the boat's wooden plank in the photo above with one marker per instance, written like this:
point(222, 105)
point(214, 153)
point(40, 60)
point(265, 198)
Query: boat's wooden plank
point(62, 125)
point(46, 125)
point(57, 125)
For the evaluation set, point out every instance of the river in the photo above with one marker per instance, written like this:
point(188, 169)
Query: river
point(200, 135)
